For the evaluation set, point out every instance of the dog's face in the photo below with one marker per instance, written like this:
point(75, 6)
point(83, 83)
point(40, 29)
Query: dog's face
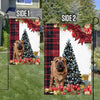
point(20, 44)
point(60, 63)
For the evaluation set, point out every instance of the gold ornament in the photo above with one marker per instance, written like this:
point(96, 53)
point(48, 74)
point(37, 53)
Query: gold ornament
point(16, 20)
point(82, 86)
point(55, 25)
point(55, 92)
point(87, 93)
point(51, 92)
point(46, 90)
point(37, 19)
point(11, 61)
point(37, 63)
point(85, 77)
point(87, 26)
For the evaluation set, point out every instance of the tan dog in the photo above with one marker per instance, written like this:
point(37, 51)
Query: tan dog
point(18, 49)
point(58, 71)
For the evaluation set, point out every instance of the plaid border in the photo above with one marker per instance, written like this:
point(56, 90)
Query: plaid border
point(51, 50)
point(14, 34)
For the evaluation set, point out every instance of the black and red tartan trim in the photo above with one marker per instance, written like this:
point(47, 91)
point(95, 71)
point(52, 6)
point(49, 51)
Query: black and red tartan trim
point(51, 49)
point(14, 34)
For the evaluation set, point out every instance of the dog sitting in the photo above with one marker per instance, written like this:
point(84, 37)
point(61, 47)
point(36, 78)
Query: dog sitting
point(18, 49)
point(58, 71)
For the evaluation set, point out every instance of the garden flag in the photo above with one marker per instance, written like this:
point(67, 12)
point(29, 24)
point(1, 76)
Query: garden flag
point(24, 41)
point(67, 44)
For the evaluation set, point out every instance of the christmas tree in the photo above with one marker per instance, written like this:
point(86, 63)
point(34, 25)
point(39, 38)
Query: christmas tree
point(28, 53)
point(73, 75)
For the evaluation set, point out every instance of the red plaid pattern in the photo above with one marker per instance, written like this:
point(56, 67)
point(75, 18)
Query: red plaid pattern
point(14, 34)
point(51, 49)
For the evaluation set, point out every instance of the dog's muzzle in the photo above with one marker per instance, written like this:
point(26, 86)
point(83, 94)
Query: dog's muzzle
point(19, 46)
point(60, 66)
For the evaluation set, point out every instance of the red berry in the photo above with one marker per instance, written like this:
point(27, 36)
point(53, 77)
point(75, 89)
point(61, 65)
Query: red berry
point(61, 88)
point(78, 89)
point(64, 30)
point(72, 86)
point(20, 60)
point(63, 93)
point(63, 25)
point(75, 87)
point(89, 87)
point(21, 63)
point(25, 61)
point(68, 85)
point(68, 90)
point(15, 60)
point(55, 89)
point(78, 93)
point(85, 89)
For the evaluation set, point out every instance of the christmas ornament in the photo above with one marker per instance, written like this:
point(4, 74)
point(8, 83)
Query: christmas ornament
point(87, 28)
point(55, 25)
point(32, 26)
point(63, 93)
point(37, 61)
point(37, 21)
point(87, 93)
point(77, 33)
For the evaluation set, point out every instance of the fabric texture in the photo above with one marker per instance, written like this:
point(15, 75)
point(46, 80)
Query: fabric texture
point(51, 49)
point(14, 34)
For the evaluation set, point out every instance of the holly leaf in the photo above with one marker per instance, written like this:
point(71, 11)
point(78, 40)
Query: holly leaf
point(65, 28)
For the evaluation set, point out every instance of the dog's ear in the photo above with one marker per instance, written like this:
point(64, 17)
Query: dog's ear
point(16, 41)
point(55, 58)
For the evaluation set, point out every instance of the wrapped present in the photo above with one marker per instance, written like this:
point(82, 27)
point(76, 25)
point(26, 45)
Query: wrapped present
point(85, 77)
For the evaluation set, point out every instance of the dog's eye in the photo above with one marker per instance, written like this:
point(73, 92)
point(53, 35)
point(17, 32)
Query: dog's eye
point(56, 60)
point(63, 60)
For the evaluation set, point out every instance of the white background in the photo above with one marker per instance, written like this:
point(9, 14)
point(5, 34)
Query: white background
point(82, 52)
point(34, 37)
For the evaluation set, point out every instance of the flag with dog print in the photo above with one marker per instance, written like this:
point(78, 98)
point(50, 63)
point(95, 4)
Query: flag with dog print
point(67, 62)
point(24, 41)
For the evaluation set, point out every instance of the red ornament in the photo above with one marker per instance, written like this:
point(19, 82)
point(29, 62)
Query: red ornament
point(75, 87)
point(21, 63)
point(89, 87)
point(63, 93)
point(78, 93)
point(78, 89)
point(73, 34)
point(37, 61)
point(37, 21)
point(61, 88)
point(85, 89)
point(68, 89)
point(55, 89)
point(87, 28)
point(32, 26)
point(20, 60)
point(63, 25)
point(15, 60)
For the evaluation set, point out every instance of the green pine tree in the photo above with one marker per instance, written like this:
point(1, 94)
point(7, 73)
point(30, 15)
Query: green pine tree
point(28, 53)
point(73, 75)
